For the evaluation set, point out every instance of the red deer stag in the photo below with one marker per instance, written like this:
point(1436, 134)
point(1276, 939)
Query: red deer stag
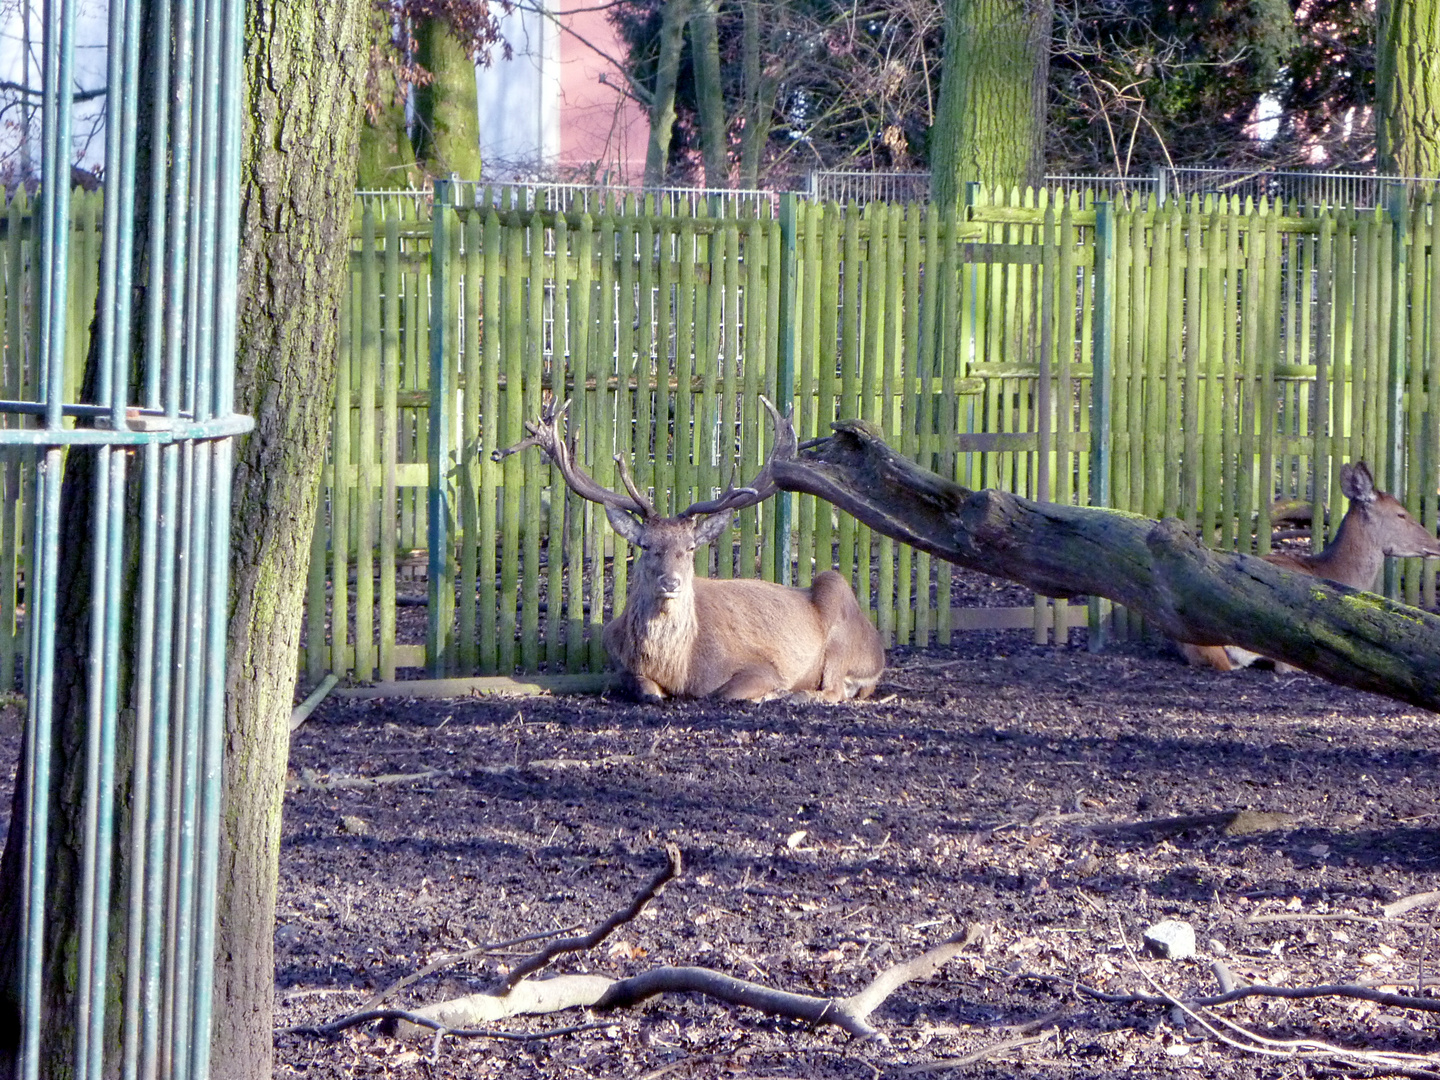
point(741, 639)
point(1375, 525)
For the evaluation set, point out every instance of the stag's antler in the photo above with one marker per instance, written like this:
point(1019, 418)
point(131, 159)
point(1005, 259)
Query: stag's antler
point(545, 433)
point(763, 486)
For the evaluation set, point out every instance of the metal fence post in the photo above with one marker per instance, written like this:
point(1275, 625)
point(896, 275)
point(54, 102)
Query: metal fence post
point(1100, 393)
point(441, 592)
point(785, 371)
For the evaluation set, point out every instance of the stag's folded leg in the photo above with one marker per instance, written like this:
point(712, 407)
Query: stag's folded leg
point(639, 688)
point(755, 682)
point(1223, 657)
point(1207, 656)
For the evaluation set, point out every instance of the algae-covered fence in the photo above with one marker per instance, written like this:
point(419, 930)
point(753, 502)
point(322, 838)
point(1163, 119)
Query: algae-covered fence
point(1195, 359)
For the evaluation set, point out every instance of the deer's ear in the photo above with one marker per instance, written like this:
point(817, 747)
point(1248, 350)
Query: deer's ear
point(712, 527)
point(625, 524)
point(1356, 483)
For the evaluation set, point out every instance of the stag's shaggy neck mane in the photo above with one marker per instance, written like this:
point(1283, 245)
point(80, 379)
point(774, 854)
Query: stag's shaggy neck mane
point(659, 635)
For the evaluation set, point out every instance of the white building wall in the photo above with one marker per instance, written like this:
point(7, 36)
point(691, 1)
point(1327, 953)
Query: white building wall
point(520, 98)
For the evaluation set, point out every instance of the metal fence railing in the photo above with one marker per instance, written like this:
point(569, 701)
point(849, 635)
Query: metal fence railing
point(1360, 191)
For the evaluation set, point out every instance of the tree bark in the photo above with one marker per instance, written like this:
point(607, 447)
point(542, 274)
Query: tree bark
point(1407, 84)
point(673, 19)
point(304, 68)
point(990, 120)
point(761, 78)
point(709, 94)
point(1157, 568)
point(387, 157)
point(447, 108)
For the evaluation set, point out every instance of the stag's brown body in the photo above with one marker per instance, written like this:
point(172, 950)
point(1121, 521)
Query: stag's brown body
point(745, 640)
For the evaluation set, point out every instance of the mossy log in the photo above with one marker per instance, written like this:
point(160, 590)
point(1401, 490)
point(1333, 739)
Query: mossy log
point(1157, 568)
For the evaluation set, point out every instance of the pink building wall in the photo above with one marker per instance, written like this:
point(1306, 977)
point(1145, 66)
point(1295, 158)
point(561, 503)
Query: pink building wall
point(601, 129)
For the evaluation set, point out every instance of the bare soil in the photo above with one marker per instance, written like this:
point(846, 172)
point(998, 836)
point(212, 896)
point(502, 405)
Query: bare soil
point(823, 843)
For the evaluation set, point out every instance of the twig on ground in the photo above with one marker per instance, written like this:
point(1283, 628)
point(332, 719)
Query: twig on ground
point(311, 779)
point(456, 958)
point(685, 1063)
point(976, 1055)
point(519, 995)
point(672, 869)
point(335, 1027)
point(1410, 903)
point(1334, 916)
point(1293, 993)
point(601, 993)
point(849, 1014)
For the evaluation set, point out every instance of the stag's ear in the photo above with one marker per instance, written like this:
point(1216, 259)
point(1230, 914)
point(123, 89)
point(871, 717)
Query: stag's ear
point(624, 524)
point(712, 527)
point(1356, 483)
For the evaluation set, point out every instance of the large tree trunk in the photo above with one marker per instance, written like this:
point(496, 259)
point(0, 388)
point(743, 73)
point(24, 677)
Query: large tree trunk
point(387, 157)
point(447, 115)
point(1407, 83)
point(990, 121)
point(1156, 568)
point(709, 94)
point(761, 76)
point(662, 100)
point(305, 69)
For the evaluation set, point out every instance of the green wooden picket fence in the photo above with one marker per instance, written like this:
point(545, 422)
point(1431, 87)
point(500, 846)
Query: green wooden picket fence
point(1196, 359)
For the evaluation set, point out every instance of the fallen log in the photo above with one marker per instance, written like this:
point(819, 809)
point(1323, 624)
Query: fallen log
point(1157, 568)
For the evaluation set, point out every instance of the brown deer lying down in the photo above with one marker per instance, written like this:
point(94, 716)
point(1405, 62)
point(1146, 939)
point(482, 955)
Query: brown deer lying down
point(742, 639)
point(1376, 525)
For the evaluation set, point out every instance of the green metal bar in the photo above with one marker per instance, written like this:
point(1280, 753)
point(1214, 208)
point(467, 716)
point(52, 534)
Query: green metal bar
point(441, 590)
point(55, 135)
point(157, 832)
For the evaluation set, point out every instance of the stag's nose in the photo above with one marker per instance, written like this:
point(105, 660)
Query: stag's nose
point(669, 585)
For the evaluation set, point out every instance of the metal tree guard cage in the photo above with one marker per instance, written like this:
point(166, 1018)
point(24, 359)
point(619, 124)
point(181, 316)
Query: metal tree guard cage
point(177, 420)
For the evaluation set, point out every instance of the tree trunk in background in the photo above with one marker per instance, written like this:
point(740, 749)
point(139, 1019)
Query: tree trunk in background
point(990, 120)
point(305, 69)
point(709, 94)
point(662, 101)
point(387, 157)
point(762, 82)
point(1407, 87)
point(447, 117)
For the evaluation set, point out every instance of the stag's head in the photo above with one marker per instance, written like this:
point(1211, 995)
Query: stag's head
point(665, 569)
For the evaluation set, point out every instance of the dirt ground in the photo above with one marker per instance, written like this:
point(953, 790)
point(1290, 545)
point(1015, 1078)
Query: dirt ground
point(823, 843)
